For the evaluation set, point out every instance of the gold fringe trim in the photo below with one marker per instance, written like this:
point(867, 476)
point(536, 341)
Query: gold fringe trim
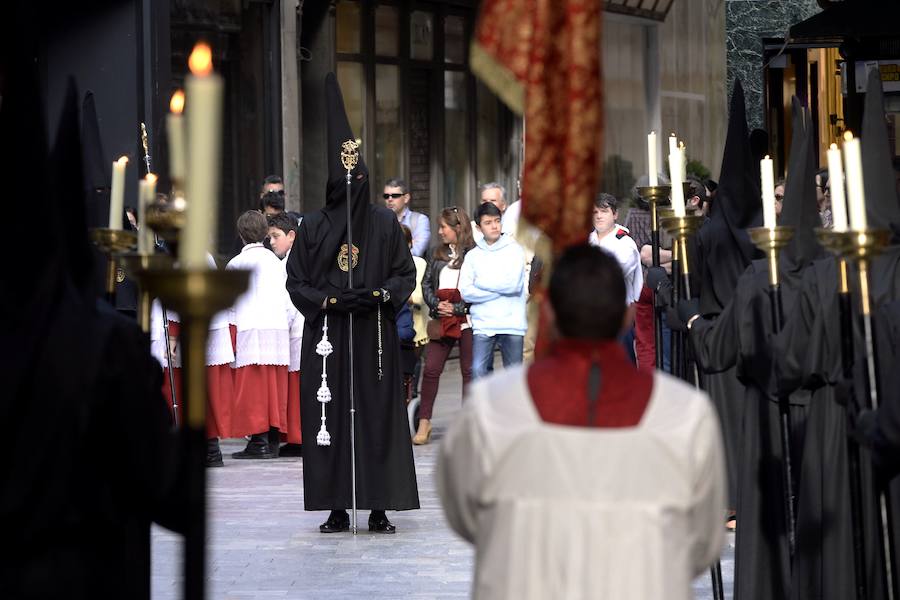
point(497, 78)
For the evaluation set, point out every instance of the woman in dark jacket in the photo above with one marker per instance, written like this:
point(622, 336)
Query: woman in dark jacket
point(451, 325)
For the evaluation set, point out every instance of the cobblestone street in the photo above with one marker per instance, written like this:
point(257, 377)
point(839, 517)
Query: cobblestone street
point(263, 545)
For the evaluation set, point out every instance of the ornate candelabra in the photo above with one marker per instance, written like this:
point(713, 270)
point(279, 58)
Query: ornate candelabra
point(862, 247)
point(112, 242)
point(771, 240)
point(135, 264)
point(656, 196)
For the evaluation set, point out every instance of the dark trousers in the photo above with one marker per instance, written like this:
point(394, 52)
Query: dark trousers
point(435, 358)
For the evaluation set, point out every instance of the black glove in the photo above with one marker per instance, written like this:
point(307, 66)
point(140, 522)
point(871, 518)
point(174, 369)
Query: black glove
point(658, 279)
point(688, 309)
point(674, 321)
point(336, 304)
point(361, 300)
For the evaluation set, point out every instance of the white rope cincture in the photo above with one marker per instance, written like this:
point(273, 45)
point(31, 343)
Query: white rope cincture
point(323, 349)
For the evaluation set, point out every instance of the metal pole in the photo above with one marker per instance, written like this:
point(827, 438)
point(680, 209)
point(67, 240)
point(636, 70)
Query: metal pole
point(872, 387)
point(353, 522)
point(853, 464)
point(165, 313)
point(657, 314)
point(785, 422)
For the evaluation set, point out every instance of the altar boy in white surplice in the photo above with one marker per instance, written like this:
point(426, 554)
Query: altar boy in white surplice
point(579, 476)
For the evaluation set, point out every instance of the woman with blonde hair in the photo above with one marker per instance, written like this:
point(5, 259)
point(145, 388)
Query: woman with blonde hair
point(440, 288)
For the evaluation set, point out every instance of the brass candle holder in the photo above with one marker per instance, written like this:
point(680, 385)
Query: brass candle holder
point(771, 240)
point(197, 295)
point(136, 264)
point(167, 218)
point(681, 228)
point(656, 195)
point(112, 242)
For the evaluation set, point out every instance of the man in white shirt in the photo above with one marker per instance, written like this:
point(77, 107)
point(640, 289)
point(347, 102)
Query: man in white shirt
point(581, 476)
point(614, 239)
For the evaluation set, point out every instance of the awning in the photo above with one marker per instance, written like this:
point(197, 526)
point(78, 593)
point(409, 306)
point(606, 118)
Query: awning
point(648, 9)
point(857, 20)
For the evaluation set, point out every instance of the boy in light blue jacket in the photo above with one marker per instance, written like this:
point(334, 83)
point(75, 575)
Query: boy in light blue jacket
point(492, 279)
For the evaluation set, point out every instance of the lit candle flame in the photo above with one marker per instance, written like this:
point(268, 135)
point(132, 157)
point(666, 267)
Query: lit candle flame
point(122, 160)
point(150, 177)
point(833, 147)
point(848, 135)
point(176, 104)
point(767, 157)
point(200, 61)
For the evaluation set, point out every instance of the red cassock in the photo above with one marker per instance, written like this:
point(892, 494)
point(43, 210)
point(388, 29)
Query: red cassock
point(558, 383)
point(220, 385)
point(293, 435)
point(260, 397)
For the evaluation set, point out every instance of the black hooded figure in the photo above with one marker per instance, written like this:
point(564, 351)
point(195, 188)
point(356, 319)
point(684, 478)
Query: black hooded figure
point(810, 350)
point(740, 339)
point(723, 251)
point(75, 514)
point(383, 279)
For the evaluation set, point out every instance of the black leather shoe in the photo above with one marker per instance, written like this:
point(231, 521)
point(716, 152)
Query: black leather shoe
point(257, 448)
point(213, 454)
point(378, 523)
point(291, 450)
point(338, 522)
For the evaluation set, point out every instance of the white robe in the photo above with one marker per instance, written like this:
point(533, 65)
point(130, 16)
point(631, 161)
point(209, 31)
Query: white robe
point(296, 322)
point(262, 313)
point(568, 512)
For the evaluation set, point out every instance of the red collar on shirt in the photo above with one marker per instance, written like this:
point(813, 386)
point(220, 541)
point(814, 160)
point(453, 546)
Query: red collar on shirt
point(558, 384)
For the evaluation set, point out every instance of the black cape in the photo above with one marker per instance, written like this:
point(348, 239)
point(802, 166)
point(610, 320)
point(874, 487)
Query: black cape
point(90, 458)
point(385, 472)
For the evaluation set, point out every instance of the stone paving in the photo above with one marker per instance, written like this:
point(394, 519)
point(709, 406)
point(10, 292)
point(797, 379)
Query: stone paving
point(262, 545)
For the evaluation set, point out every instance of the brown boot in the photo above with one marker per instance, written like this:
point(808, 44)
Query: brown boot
point(423, 434)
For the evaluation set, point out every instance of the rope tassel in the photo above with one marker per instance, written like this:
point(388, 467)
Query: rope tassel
point(324, 349)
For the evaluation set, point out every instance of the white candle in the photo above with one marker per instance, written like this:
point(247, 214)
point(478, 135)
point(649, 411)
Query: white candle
point(767, 175)
point(673, 143)
point(652, 168)
point(204, 90)
point(146, 195)
point(175, 133)
point(836, 183)
point(856, 198)
point(683, 151)
point(675, 158)
point(117, 193)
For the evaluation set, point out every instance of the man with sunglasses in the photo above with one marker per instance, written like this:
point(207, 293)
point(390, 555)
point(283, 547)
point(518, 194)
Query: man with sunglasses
point(396, 197)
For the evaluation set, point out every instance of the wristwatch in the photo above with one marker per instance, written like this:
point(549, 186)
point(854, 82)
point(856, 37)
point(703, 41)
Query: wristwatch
point(385, 295)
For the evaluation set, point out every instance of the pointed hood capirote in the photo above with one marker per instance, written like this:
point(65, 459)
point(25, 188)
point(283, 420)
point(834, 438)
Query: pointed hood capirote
point(726, 249)
point(67, 181)
point(879, 178)
point(336, 202)
point(738, 194)
point(96, 164)
point(800, 209)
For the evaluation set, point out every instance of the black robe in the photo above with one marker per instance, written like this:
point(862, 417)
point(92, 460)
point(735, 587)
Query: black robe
point(386, 477)
point(740, 339)
point(810, 356)
point(91, 460)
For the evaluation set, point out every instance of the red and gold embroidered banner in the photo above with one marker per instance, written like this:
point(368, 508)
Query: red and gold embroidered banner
point(542, 58)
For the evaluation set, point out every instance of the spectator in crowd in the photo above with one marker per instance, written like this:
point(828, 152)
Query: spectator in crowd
point(779, 196)
point(272, 183)
point(637, 222)
point(451, 323)
point(823, 197)
point(261, 325)
point(495, 193)
point(589, 487)
point(397, 198)
point(614, 239)
point(282, 233)
point(419, 313)
point(492, 280)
